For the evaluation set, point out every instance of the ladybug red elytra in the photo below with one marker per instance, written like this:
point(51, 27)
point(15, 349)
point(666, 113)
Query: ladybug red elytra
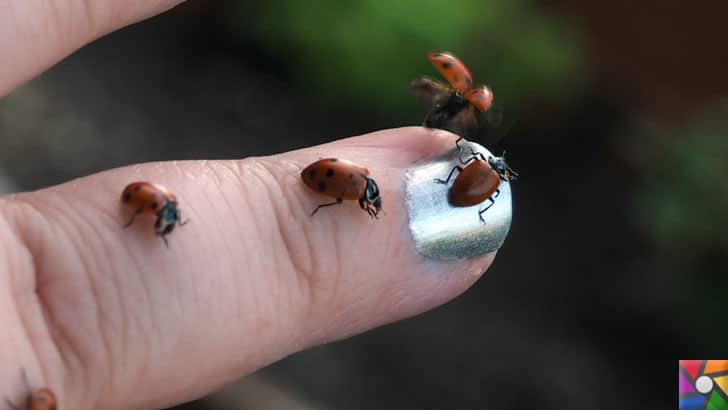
point(146, 197)
point(39, 399)
point(478, 181)
point(343, 180)
point(453, 107)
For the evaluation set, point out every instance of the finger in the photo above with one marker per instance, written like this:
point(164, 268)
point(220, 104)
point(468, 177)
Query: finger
point(116, 318)
point(35, 34)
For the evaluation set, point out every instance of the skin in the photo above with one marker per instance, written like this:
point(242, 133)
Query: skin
point(102, 314)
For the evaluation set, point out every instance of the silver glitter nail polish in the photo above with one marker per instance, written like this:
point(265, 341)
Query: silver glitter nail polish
point(442, 231)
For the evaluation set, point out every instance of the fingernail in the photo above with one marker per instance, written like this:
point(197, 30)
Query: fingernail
point(442, 231)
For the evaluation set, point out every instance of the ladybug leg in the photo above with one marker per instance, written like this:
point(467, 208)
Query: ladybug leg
point(179, 219)
point(168, 228)
point(482, 210)
point(26, 383)
point(131, 221)
point(445, 181)
point(338, 201)
point(497, 192)
point(473, 156)
point(370, 210)
point(461, 138)
point(11, 405)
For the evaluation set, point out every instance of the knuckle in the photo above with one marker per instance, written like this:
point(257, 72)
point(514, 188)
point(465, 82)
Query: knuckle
point(314, 270)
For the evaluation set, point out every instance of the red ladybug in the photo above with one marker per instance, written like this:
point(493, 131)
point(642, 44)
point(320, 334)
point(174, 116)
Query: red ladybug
point(146, 197)
point(478, 181)
point(342, 179)
point(40, 399)
point(453, 107)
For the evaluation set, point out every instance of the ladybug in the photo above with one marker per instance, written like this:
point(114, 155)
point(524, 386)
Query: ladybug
point(342, 179)
point(146, 197)
point(40, 399)
point(453, 107)
point(478, 181)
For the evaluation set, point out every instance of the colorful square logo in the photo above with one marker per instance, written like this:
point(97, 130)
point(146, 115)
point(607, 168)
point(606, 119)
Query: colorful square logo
point(703, 384)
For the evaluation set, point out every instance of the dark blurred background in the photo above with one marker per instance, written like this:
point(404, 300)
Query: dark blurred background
point(616, 261)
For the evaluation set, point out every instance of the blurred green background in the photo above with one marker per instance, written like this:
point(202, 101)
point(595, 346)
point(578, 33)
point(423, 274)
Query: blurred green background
point(617, 256)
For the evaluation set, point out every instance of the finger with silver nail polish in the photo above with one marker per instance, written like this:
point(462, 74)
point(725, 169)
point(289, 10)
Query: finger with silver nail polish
point(442, 218)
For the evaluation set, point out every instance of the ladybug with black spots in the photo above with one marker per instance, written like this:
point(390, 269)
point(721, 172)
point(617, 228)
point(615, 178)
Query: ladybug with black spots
point(478, 181)
point(146, 197)
point(343, 180)
point(453, 107)
point(39, 399)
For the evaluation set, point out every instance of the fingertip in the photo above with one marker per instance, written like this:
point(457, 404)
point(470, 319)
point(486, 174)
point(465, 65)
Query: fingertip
point(410, 139)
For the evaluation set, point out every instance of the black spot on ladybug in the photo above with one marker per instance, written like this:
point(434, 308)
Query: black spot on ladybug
point(322, 186)
point(126, 197)
point(155, 205)
point(446, 65)
point(329, 172)
point(334, 159)
point(312, 173)
point(351, 176)
point(137, 188)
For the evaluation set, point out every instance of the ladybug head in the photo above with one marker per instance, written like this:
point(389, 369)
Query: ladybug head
point(43, 399)
point(167, 217)
point(501, 167)
point(372, 197)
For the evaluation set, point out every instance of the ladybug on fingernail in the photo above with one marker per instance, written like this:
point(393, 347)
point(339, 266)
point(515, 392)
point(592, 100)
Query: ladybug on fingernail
point(478, 181)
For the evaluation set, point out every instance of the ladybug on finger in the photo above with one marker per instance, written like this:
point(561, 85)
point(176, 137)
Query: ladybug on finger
point(146, 197)
point(39, 399)
point(343, 180)
point(454, 107)
point(478, 181)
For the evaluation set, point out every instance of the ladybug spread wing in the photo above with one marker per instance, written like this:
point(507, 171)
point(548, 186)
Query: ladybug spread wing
point(336, 178)
point(453, 70)
point(429, 91)
point(481, 97)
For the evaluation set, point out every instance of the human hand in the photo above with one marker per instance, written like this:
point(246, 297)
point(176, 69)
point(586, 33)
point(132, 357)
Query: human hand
point(110, 318)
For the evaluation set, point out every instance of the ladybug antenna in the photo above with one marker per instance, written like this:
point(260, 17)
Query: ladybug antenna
point(24, 376)
point(512, 174)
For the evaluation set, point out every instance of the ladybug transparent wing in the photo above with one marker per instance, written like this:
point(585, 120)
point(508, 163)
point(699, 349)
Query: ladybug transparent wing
point(492, 125)
point(464, 123)
point(429, 91)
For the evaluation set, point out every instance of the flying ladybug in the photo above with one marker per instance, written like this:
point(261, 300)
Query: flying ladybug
point(458, 107)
